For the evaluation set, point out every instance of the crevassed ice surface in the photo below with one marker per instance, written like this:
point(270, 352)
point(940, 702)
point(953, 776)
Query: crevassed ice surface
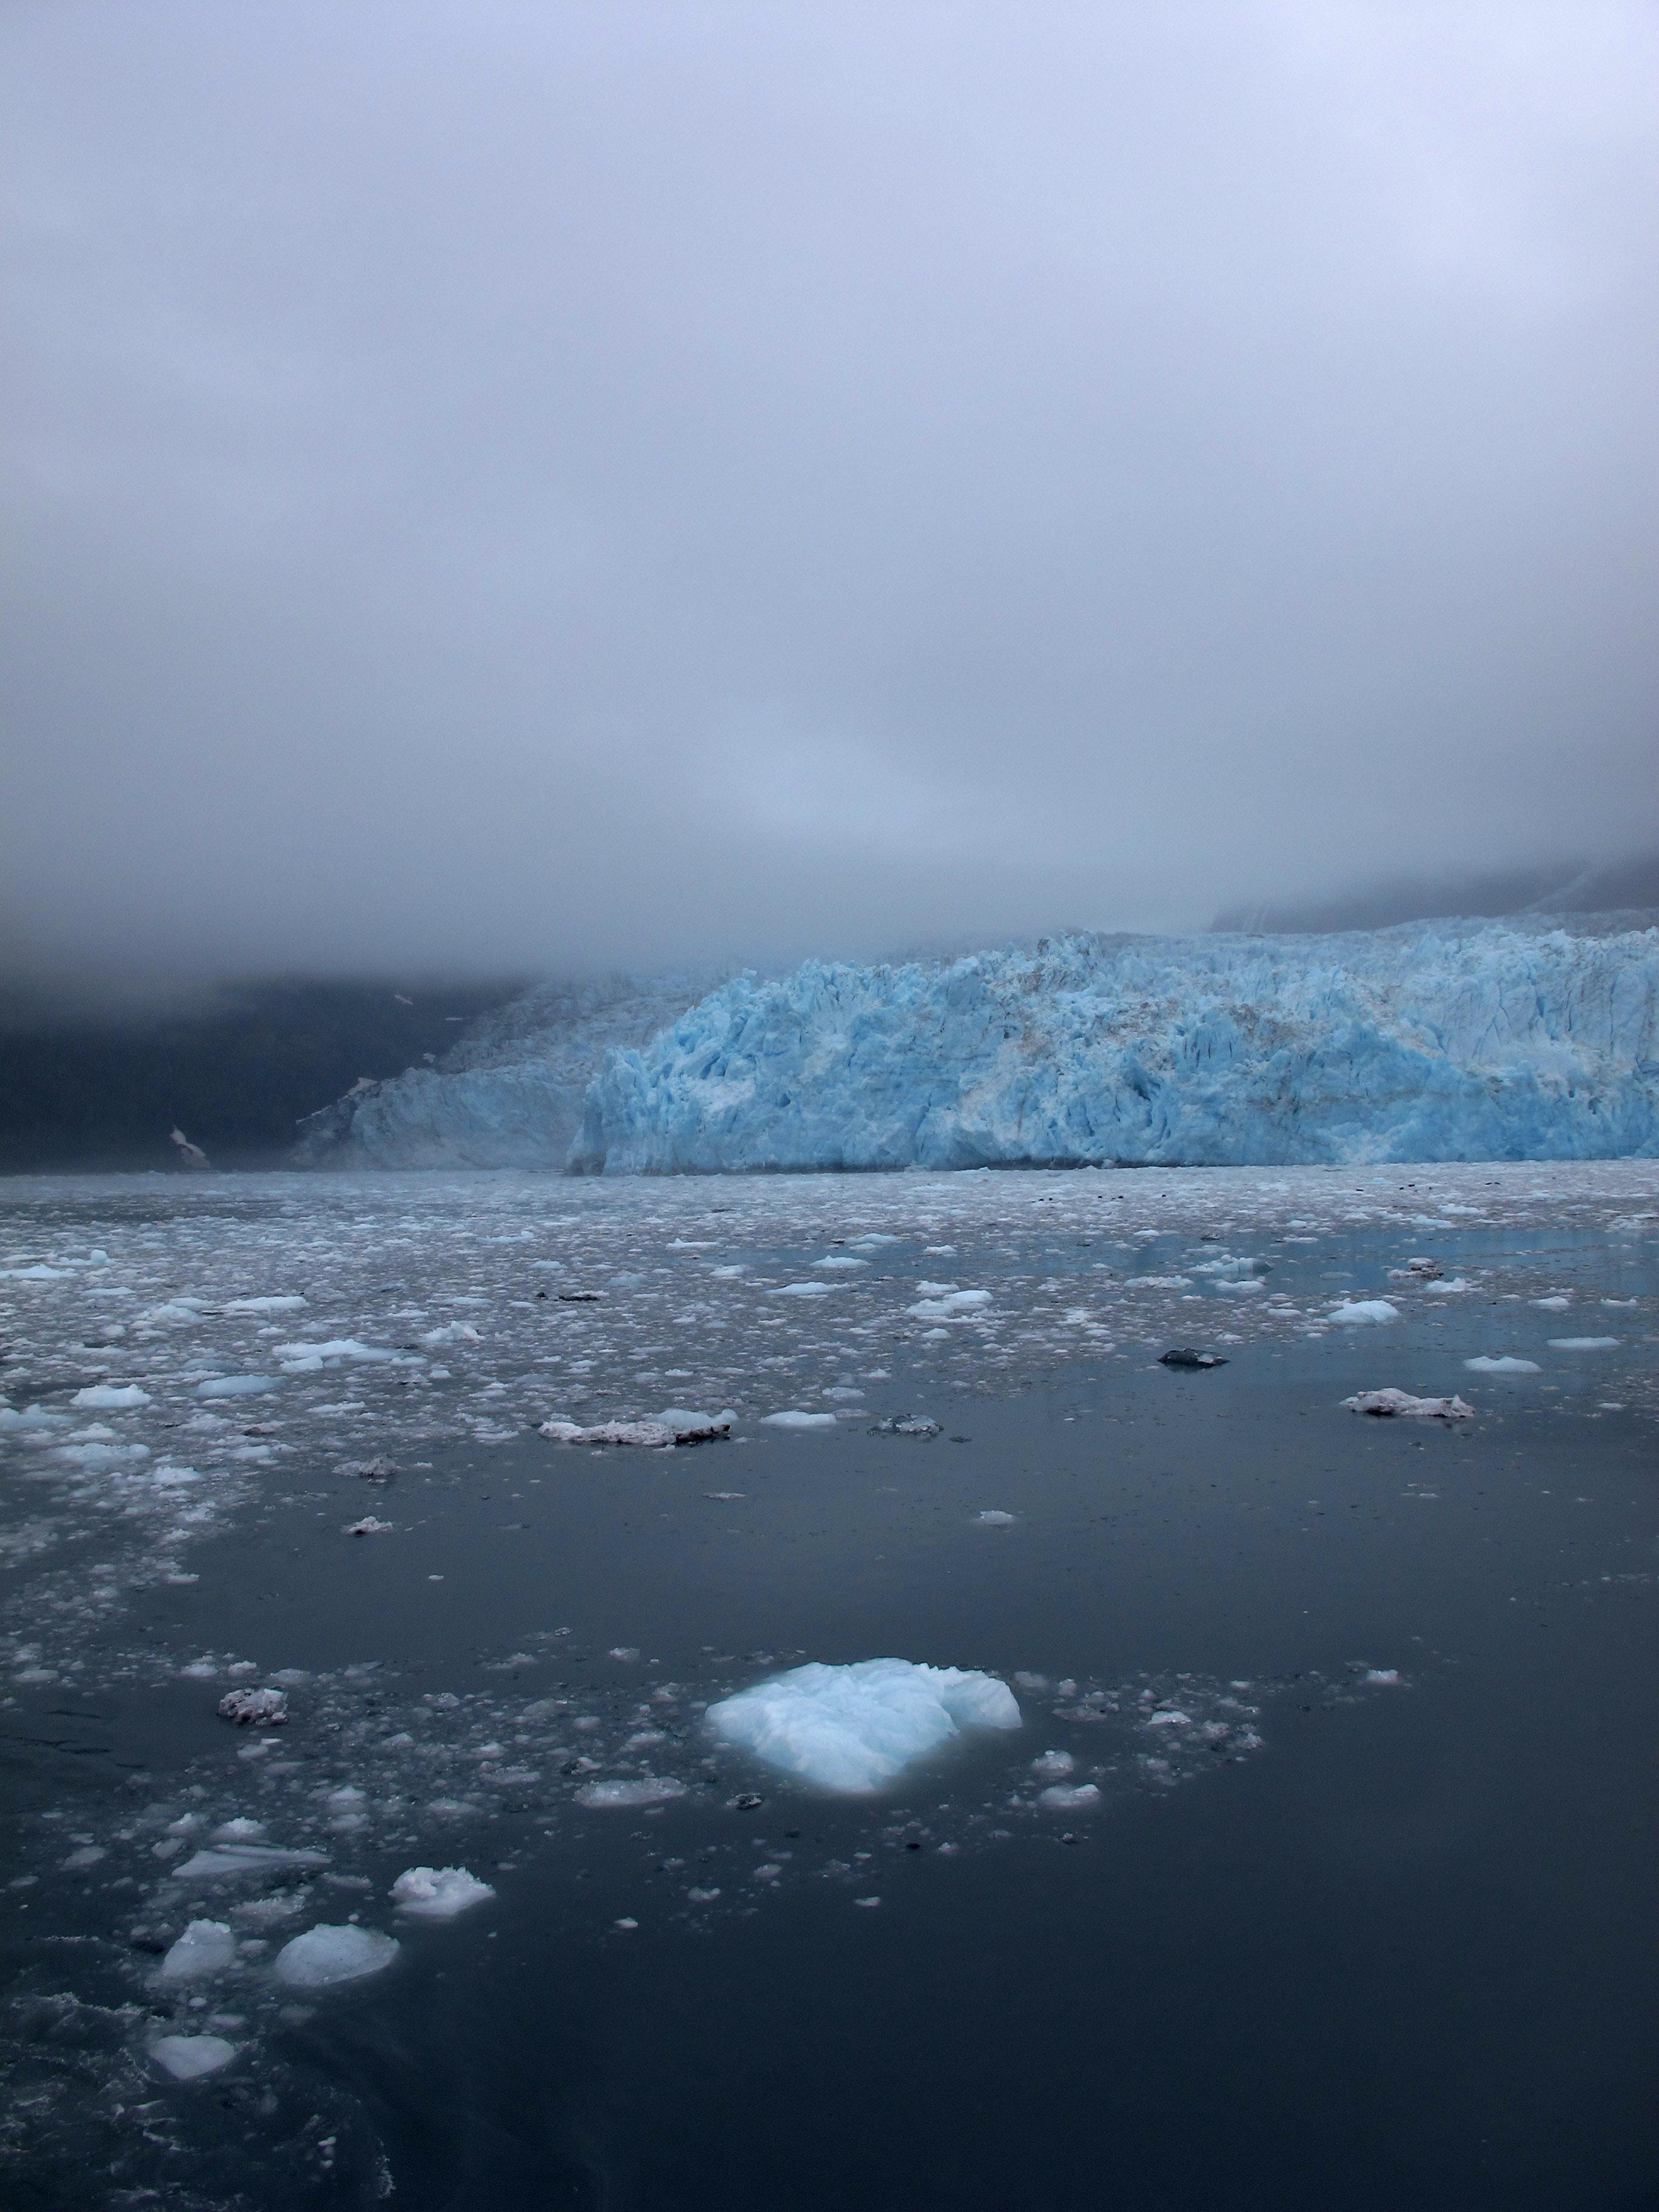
point(1447, 1040)
point(853, 1728)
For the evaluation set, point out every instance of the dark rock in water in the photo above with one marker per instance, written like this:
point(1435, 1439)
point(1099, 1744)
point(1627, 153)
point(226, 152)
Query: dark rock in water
point(749, 1802)
point(580, 1297)
point(1184, 1356)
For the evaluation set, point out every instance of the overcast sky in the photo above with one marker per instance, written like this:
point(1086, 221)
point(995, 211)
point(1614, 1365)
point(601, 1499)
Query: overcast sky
point(550, 486)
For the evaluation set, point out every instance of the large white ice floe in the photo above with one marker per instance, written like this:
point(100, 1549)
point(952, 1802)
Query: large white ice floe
point(1358, 1312)
point(324, 1955)
point(855, 1727)
point(1435, 1041)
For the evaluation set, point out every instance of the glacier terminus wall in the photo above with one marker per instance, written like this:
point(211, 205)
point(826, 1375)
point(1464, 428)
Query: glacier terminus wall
point(1440, 1040)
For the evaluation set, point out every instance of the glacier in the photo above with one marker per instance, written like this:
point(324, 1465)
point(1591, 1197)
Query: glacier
point(511, 1093)
point(1531, 1038)
point(1439, 1041)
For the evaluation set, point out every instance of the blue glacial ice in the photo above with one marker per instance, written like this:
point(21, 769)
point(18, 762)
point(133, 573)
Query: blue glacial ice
point(854, 1728)
point(511, 1093)
point(1439, 1041)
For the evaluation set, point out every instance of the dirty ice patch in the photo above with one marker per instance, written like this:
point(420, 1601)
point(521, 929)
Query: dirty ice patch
point(1386, 1404)
point(853, 1728)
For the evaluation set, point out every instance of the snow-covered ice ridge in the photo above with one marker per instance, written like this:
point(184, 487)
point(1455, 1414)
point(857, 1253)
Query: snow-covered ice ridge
point(511, 1092)
point(1438, 1041)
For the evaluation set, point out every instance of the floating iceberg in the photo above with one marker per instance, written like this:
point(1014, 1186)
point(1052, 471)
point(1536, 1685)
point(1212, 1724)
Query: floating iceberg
point(207, 1946)
point(188, 2058)
point(1391, 1402)
point(854, 1728)
point(324, 1955)
point(1443, 1041)
point(438, 1893)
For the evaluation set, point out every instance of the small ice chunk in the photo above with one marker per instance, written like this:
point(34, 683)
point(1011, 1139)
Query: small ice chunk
point(438, 1893)
point(1069, 1796)
point(289, 1304)
point(911, 1425)
point(451, 1331)
point(800, 1291)
point(1583, 1343)
point(207, 1946)
point(1354, 1311)
point(793, 1418)
point(840, 1260)
point(188, 2058)
point(1052, 1764)
point(368, 1526)
point(1502, 1364)
point(324, 1955)
point(381, 1469)
point(648, 1790)
point(856, 1726)
point(112, 1397)
point(236, 1386)
point(948, 1304)
point(1384, 1403)
point(994, 1517)
point(1385, 1678)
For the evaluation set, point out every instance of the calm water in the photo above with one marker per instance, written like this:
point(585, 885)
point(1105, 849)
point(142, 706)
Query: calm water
point(1390, 1944)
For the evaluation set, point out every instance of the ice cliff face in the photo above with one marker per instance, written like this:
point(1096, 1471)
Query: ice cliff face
point(511, 1092)
point(1448, 1040)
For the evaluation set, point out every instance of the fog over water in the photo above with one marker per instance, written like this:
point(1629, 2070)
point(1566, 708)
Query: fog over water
point(523, 486)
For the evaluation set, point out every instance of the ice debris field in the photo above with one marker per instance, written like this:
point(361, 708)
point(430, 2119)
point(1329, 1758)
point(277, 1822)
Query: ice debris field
point(1434, 1040)
point(187, 1362)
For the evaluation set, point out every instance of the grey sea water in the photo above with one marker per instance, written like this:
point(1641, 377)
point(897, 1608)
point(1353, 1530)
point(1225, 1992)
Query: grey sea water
point(1364, 1913)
